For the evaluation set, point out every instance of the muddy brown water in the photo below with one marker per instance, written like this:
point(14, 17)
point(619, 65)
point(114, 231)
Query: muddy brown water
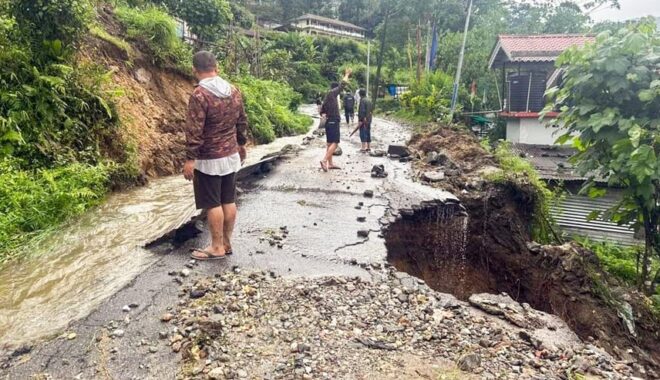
point(73, 269)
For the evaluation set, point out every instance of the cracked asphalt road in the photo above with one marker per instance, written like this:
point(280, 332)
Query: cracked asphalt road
point(320, 211)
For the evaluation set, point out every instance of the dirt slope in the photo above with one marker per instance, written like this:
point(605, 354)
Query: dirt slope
point(153, 105)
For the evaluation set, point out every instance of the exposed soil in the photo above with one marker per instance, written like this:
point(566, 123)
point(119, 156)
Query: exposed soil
point(153, 105)
point(497, 256)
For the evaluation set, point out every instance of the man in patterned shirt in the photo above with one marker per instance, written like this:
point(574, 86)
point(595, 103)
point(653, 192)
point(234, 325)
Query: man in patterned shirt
point(216, 134)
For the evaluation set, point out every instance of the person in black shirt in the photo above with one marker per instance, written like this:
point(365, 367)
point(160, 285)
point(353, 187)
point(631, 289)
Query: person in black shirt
point(349, 107)
point(330, 111)
point(365, 111)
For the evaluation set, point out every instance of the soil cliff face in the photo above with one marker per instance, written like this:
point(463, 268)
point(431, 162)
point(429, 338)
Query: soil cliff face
point(152, 106)
point(485, 247)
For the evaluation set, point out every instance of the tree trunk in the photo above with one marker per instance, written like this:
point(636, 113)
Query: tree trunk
point(419, 52)
point(381, 55)
point(651, 248)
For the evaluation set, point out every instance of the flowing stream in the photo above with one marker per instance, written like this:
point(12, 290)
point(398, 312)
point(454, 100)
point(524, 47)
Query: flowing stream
point(76, 267)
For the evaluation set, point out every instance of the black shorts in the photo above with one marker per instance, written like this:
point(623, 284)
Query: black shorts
point(332, 131)
point(213, 190)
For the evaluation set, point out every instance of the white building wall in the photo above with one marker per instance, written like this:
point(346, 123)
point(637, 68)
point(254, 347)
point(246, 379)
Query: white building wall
point(530, 131)
point(513, 130)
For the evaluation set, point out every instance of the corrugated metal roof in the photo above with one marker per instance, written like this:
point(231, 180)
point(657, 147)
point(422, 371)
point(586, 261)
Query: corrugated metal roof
point(550, 161)
point(571, 216)
point(541, 48)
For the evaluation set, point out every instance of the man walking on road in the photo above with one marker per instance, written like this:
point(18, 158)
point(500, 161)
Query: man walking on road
point(330, 111)
point(365, 112)
point(349, 107)
point(216, 134)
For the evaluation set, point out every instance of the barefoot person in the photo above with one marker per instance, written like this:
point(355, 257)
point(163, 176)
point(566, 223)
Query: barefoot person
point(216, 134)
point(330, 110)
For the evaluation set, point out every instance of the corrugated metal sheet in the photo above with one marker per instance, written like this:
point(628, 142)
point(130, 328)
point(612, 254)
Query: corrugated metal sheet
point(571, 216)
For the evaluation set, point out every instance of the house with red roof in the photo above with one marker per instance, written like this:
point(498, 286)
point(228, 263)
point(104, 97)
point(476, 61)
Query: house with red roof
point(527, 64)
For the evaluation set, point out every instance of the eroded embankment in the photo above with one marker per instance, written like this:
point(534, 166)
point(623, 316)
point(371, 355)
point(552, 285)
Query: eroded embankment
point(483, 245)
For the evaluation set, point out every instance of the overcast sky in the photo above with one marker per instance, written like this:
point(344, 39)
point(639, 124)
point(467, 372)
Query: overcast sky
point(630, 9)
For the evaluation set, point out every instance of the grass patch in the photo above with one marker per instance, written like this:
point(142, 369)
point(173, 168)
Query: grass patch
point(98, 32)
point(521, 173)
point(157, 30)
point(31, 202)
point(271, 108)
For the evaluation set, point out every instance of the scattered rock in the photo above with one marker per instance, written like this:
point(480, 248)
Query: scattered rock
point(142, 75)
point(22, 350)
point(378, 171)
point(118, 333)
point(469, 362)
point(216, 374)
point(398, 151)
point(361, 219)
point(126, 309)
point(377, 153)
point(433, 176)
point(71, 336)
point(369, 193)
point(363, 233)
point(166, 317)
point(185, 272)
point(197, 293)
point(338, 152)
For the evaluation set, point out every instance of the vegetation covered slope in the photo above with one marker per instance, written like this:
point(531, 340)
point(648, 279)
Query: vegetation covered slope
point(92, 98)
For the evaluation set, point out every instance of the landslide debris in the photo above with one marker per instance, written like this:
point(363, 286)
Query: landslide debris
point(256, 325)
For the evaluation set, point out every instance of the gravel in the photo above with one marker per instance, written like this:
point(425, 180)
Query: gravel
point(252, 325)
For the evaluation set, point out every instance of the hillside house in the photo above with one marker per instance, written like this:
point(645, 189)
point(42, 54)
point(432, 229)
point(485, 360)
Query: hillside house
point(527, 64)
point(318, 25)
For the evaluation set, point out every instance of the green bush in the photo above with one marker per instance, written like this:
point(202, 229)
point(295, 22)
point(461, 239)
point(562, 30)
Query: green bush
point(520, 173)
point(31, 201)
point(51, 112)
point(52, 20)
point(206, 18)
point(157, 29)
point(270, 108)
point(617, 260)
point(430, 97)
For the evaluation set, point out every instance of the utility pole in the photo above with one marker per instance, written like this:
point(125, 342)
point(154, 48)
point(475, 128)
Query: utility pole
point(368, 64)
point(457, 80)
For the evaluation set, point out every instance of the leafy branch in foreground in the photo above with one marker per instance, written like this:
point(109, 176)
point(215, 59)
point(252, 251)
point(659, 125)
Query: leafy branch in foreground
point(609, 104)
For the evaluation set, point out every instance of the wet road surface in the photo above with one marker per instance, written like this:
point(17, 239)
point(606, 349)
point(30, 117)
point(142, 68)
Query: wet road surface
point(319, 211)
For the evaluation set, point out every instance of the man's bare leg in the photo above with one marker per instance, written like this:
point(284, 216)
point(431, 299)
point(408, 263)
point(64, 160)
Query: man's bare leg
point(229, 211)
point(329, 153)
point(215, 217)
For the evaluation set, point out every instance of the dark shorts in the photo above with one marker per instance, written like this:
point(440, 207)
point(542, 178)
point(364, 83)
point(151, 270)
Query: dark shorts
point(213, 190)
point(365, 133)
point(332, 131)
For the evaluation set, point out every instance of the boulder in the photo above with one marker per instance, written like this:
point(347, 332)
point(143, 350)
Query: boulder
point(433, 176)
point(398, 151)
point(338, 152)
point(377, 153)
point(469, 362)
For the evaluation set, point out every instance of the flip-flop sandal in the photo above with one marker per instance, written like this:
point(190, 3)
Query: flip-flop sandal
point(209, 256)
point(335, 167)
point(324, 166)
